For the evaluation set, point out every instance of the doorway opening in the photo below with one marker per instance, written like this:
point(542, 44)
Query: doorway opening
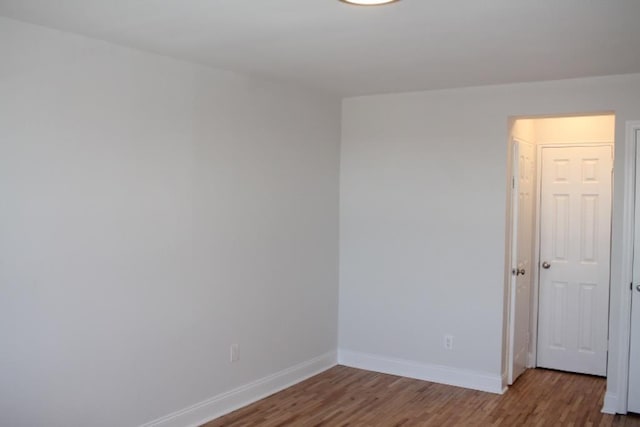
point(560, 175)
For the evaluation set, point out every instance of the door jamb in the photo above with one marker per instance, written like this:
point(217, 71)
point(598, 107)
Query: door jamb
point(535, 262)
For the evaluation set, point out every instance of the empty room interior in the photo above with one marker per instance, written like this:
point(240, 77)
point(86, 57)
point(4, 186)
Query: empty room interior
point(319, 213)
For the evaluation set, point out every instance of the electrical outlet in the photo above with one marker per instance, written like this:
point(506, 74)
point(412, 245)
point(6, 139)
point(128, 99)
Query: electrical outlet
point(448, 342)
point(234, 352)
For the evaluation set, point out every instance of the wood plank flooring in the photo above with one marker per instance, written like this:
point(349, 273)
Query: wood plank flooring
point(345, 396)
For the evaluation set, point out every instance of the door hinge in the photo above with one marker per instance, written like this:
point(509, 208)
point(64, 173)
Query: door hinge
point(513, 182)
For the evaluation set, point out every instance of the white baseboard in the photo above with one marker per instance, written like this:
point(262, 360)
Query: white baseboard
point(224, 403)
point(610, 404)
point(421, 371)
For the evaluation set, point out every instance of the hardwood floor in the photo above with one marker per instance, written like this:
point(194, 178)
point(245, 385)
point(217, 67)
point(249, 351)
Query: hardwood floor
point(345, 396)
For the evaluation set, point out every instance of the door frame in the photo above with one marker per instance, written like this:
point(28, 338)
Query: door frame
point(615, 401)
point(535, 262)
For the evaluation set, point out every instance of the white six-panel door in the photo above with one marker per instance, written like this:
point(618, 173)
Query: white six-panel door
point(575, 230)
point(522, 212)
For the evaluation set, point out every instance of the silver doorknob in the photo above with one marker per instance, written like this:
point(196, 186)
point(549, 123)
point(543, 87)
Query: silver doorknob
point(638, 288)
point(521, 271)
point(546, 265)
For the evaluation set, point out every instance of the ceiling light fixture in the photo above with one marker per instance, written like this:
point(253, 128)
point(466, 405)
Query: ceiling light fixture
point(369, 2)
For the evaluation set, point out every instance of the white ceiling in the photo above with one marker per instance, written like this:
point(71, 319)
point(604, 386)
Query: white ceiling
point(354, 50)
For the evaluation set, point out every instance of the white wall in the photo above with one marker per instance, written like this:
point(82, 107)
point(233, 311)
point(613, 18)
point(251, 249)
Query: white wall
point(524, 129)
point(423, 193)
point(569, 130)
point(152, 213)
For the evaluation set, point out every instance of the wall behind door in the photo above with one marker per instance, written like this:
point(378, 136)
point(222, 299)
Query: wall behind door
point(568, 130)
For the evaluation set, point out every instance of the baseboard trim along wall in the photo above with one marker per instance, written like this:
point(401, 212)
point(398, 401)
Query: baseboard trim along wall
point(224, 403)
point(422, 371)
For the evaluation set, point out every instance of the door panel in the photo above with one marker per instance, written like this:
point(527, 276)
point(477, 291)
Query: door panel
point(559, 309)
point(575, 231)
point(522, 213)
point(634, 357)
